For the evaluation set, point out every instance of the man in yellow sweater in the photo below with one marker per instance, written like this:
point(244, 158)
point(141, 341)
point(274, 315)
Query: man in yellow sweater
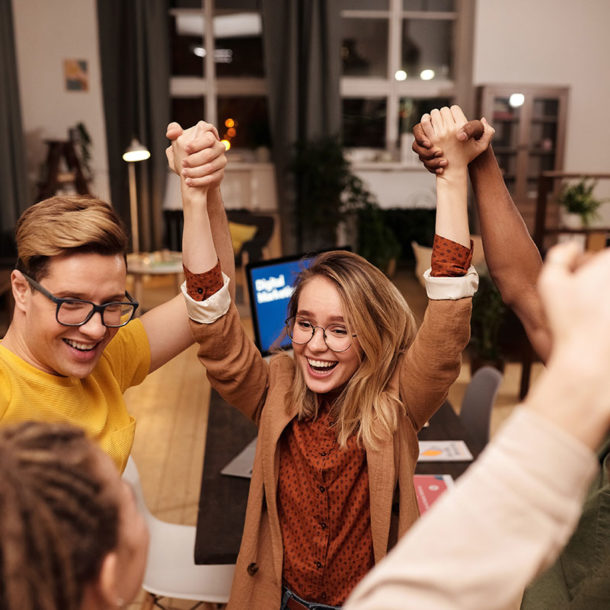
point(73, 346)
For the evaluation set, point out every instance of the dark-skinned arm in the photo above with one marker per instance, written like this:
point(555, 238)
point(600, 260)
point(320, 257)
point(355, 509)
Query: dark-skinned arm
point(512, 258)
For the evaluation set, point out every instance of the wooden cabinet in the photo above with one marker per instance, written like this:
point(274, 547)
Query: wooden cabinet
point(530, 124)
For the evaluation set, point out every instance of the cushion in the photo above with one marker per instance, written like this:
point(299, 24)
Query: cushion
point(240, 234)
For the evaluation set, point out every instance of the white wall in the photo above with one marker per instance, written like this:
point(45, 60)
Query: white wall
point(554, 42)
point(46, 33)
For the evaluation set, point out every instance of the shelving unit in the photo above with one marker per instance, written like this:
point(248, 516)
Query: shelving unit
point(529, 138)
point(547, 218)
point(62, 168)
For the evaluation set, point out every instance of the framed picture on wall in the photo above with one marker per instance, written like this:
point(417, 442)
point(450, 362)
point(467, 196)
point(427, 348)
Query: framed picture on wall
point(76, 74)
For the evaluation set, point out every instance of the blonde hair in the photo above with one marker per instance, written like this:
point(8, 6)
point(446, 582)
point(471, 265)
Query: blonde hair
point(66, 224)
point(384, 324)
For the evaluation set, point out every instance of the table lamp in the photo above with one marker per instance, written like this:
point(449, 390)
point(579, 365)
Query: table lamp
point(134, 152)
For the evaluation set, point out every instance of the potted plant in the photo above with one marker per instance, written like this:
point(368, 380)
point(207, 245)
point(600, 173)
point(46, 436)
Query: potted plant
point(376, 240)
point(488, 312)
point(578, 203)
point(328, 193)
point(321, 175)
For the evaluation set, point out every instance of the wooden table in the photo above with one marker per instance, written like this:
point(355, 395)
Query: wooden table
point(223, 499)
point(163, 262)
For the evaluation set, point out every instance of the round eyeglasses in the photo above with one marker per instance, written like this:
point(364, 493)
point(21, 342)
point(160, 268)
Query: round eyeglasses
point(76, 312)
point(336, 336)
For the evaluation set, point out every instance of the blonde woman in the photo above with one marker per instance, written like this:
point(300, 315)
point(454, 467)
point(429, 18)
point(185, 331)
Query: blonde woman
point(332, 483)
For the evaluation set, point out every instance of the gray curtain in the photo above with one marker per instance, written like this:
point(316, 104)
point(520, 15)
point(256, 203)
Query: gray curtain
point(13, 176)
point(302, 59)
point(134, 51)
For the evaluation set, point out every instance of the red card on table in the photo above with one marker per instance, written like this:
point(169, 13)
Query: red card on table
point(429, 487)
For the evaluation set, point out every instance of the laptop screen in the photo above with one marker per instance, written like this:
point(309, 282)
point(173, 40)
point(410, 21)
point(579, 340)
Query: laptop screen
point(270, 286)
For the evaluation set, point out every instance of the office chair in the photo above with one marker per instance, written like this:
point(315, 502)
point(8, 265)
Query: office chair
point(478, 401)
point(170, 568)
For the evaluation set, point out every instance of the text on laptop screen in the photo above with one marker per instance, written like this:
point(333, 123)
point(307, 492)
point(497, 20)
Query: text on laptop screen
point(271, 284)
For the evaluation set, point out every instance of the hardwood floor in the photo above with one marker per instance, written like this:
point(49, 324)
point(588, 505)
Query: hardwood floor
point(171, 411)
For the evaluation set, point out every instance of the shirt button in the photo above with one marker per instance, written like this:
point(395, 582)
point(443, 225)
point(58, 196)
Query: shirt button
point(323, 453)
point(252, 569)
point(323, 595)
point(318, 565)
point(323, 525)
point(200, 290)
point(322, 488)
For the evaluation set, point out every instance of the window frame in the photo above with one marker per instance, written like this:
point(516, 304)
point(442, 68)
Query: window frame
point(209, 86)
point(459, 88)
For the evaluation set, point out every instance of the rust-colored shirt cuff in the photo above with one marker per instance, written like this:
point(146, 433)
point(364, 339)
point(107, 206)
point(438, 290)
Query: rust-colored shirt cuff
point(201, 286)
point(450, 259)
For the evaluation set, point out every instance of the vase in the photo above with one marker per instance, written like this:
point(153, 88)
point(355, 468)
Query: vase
point(570, 220)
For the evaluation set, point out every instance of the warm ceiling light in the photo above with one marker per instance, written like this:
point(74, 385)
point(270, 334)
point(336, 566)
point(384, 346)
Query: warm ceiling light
point(400, 75)
point(427, 74)
point(516, 99)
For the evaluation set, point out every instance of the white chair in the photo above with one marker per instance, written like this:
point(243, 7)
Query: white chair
point(171, 570)
point(478, 401)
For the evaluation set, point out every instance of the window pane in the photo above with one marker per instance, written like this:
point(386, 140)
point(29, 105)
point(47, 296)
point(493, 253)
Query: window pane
point(364, 47)
point(429, 5)
point(188, 110)
point(411, 110)
point(364, 122)
point(186, 43)
point(427, 48)
point(244, 121)
point(239, 44)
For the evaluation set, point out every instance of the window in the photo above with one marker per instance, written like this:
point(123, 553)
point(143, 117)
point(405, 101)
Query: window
point(399, 58)
point(398, 61)
point(221, 81)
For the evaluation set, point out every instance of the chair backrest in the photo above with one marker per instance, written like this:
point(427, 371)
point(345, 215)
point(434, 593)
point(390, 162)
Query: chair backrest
point(478, 401)
point(132, 476)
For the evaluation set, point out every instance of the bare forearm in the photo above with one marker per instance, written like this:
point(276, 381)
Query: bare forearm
point(513, 260)
point(222, 236)
point(509, 250)
point(451, 212)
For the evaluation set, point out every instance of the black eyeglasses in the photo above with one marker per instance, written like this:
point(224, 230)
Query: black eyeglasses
point(76, 312)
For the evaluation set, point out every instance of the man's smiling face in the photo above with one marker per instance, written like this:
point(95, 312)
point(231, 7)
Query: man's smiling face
point(63, 350)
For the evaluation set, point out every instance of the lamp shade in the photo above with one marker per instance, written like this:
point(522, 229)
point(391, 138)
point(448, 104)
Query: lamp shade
point(136, 152)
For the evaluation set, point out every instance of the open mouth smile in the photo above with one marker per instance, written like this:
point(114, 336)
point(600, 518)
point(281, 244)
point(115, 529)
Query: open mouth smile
point(321, 366)
point(81, 347)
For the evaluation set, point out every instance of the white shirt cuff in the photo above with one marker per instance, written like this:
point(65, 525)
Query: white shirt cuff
point(214, 307)
point(451, 288)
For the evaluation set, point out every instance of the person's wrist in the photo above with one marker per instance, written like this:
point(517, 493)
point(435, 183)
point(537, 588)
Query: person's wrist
point(573, 392)
point(453, 174)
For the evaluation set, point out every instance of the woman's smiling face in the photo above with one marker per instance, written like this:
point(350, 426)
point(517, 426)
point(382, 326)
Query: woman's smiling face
point(324, 371)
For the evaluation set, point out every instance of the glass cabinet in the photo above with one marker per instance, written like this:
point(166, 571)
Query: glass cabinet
point(530, 136)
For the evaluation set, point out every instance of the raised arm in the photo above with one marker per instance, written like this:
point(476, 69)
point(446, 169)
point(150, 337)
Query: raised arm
point(196, 169)
point(167, 326)
point(512, 257)
point(441, 127)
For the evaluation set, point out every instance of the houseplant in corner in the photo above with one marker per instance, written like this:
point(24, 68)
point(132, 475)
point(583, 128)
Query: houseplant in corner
point(577, 203)
point(377, 242)
point(321, 175)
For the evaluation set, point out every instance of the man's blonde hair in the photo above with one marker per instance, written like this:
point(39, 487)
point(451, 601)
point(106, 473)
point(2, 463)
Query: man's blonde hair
point(64, 225)
point(384, 324)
